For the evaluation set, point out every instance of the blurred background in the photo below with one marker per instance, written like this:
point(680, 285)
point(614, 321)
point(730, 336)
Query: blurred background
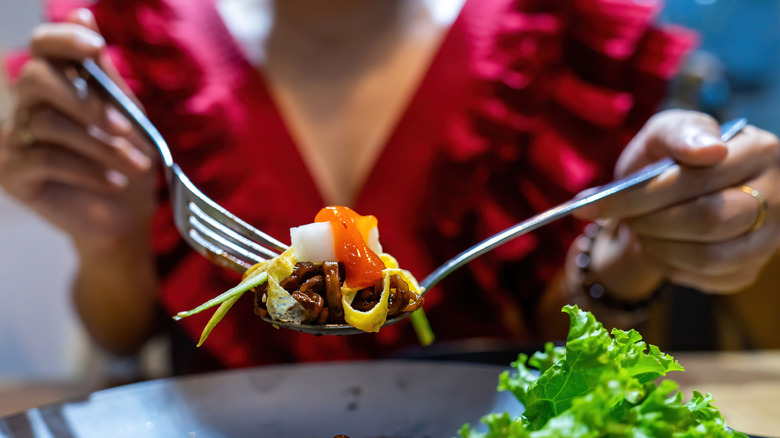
point(733, 74)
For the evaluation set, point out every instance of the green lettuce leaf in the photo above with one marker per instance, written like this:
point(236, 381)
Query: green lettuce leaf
point(600, 384)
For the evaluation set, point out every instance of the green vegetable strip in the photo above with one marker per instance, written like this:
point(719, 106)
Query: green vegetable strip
point(217, 317)
point(237, 291)
point(422, 327)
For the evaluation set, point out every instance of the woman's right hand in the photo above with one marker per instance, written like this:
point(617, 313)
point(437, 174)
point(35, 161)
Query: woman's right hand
point(66, 153)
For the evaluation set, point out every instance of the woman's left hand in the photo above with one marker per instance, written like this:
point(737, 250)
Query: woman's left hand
point(712, 225)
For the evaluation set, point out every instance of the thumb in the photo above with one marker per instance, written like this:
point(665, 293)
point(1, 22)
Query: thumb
point(86, 18)
point(696, 143)
point(690, 138)
point(83, 17)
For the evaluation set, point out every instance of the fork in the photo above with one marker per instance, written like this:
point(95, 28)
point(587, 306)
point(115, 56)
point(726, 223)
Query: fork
point(230, 242)
point(728, 130)
point(211, 230)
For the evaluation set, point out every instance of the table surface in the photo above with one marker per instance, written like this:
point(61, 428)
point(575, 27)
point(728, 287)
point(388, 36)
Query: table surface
point(745, 385)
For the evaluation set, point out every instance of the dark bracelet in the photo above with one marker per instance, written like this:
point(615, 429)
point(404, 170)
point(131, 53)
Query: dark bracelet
point(591, 287)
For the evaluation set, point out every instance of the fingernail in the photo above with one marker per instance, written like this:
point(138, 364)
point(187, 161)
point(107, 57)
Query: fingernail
point(703, 140)
point(118, 122)
point(116, 178)
point(100, 135)
point(84, 15)
point(123, 145)
point(93, 39)
point(139, 158)
point(587, 192)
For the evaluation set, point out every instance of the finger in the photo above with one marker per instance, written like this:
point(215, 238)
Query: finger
point(111, 152)
point(84, 17)
point(66, 41)
point(42, 84)
point(711, 218)
point(46, 163)
point(78, 211)
point(725, 257)
point(691, 138)
point(142, 144)
point(749, 155)
point(716, 283)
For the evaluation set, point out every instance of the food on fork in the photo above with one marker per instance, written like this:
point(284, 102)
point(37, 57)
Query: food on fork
point(333, 273)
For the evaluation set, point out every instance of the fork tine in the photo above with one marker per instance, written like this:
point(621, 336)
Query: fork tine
point(226, 218)
point(229, 247)
point(213, 231)
point(252, 249)
point(216, 233)
point(215, 253)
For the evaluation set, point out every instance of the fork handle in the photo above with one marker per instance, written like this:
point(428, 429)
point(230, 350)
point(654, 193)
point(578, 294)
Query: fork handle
point(95, 75)
point(728, 130)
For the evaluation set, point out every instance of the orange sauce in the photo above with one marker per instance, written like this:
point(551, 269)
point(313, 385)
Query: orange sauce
point(350, 232)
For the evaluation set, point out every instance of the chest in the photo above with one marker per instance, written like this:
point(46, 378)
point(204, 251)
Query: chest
point(341, 122)
point(342, 96)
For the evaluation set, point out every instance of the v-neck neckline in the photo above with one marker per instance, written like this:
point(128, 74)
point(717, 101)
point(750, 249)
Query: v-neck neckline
point(290, 148)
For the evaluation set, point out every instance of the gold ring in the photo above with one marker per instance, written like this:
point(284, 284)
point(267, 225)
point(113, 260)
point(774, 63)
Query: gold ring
point(23, 129)
point(763, 207)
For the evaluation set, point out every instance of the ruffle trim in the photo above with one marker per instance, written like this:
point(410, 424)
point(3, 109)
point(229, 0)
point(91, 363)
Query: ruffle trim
point(565, 85)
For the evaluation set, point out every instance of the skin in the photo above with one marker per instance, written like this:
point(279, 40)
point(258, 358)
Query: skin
point(327, 64)
point(90, 174)
point(691, 227)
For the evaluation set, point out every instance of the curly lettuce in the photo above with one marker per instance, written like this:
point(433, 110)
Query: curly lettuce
point(600, 385)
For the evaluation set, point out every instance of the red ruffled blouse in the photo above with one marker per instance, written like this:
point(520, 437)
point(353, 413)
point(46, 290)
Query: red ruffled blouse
point(526, 103)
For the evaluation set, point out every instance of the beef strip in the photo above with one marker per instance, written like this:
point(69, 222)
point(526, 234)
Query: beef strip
point(333, 292)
